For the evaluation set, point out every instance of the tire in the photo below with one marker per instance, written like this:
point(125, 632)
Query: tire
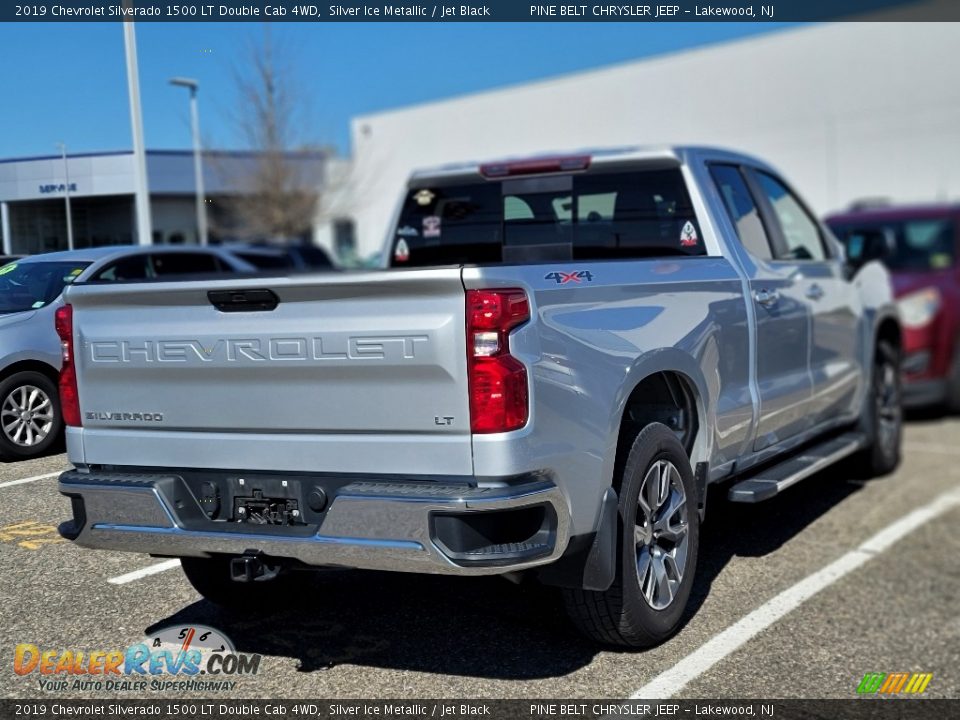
point(211, 578)
point(882, 416)
point(953, 383)
point(657, 483)
point(30, 418)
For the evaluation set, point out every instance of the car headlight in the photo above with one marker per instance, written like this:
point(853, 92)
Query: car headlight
point(919, 308)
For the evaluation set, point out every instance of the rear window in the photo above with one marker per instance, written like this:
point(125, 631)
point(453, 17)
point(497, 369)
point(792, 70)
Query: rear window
point(594, 216)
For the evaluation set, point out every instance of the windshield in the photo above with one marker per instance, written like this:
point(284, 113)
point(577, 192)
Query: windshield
point(917, 245)
point(31, 285)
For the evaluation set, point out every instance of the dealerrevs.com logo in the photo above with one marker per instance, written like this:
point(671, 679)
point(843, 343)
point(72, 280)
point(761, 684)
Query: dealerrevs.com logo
point(898, 683)
point(176, 658)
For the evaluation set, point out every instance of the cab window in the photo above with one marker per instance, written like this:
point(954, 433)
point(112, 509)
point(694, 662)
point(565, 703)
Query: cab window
point(800, 232)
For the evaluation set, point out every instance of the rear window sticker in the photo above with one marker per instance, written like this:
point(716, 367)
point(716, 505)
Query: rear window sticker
point(8, 268)
point(408, 231)
point(401, 253)
point(688, 235)
point(431, 226)
point(424, 197)
point(38, 304)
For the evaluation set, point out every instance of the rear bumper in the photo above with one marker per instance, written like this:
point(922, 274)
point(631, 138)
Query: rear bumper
point(414, 526)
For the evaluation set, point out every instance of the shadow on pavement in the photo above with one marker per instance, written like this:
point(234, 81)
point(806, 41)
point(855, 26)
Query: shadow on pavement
point(486, 627)
point(745, 530)
point(480, 627)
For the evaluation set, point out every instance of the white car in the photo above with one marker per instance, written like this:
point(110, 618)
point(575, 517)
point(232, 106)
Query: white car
point(30, 292)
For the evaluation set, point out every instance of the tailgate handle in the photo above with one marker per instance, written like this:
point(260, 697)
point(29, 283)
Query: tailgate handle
point(260, 299)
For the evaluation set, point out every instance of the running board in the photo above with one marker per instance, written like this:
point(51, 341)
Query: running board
point(777, 478)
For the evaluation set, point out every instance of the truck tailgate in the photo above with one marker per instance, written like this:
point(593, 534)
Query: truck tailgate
point(360, 372)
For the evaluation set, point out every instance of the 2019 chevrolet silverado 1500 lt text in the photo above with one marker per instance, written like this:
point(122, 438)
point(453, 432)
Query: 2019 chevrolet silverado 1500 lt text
point(562, 356)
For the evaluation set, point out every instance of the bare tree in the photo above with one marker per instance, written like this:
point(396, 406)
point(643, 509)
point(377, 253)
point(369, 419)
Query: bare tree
point(278, 197)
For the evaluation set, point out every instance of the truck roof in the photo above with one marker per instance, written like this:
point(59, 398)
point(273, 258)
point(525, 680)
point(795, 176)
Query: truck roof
point(678, 154)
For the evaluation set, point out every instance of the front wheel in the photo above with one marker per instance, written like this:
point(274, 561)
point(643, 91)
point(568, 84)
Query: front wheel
point(659, 535)
point(882, 420)
point(953, 382)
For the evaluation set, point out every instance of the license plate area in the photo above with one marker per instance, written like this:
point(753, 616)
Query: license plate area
point(262, 510)
point(265, 501)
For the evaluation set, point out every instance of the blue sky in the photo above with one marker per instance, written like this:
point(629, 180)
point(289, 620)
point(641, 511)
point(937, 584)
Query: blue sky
point(67, 82)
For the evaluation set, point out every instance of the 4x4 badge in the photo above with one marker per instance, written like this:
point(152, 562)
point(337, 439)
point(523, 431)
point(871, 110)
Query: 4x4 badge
point(562, 278)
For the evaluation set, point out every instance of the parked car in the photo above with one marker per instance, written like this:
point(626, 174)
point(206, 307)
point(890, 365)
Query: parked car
point(30, 293)
point(921, 247)
point(282, 257)
point(564, 354)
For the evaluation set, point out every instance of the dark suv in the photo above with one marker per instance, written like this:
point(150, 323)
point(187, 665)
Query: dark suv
point(920, 245)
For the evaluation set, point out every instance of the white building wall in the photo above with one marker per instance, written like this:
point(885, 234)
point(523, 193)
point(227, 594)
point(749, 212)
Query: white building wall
point(846, 111)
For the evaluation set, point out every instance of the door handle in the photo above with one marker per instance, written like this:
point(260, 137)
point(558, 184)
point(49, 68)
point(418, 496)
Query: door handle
point(814, 292)
point(767, 298)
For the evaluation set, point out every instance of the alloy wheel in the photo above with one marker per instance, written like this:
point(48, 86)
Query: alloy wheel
point(661, 534)
point(888, 404)
point(26, 416)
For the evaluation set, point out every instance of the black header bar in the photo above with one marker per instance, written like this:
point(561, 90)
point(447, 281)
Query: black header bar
point(481, 11)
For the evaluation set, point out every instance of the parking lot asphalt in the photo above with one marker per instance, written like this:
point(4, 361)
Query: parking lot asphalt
point(796, 597)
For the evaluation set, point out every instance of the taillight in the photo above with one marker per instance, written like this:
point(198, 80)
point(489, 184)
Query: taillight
point(69, 398)
point(498, 381)
point(536, 166)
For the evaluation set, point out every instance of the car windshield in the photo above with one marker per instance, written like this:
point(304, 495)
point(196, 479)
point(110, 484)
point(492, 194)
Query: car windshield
point(917, 245)
point(31, 285)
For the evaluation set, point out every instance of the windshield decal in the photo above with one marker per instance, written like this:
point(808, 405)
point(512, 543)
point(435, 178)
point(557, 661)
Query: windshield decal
point(402, 252)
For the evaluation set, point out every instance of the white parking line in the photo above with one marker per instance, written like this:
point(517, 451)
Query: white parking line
point(144, 572)
point(22, 481)
point(672, 681)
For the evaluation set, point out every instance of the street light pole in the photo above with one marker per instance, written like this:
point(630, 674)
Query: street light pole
point(66, 195)
point(141, 191)
point(193, 86)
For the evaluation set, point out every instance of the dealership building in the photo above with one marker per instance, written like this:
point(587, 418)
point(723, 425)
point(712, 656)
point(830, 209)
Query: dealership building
point(846, 111)
point(33, 197)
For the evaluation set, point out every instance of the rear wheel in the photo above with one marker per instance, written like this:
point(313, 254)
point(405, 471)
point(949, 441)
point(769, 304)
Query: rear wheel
point(883, 417)
point(659, 534)
point(30, 420)
point(211, 578)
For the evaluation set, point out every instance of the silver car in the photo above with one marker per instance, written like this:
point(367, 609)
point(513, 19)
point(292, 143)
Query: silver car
point(30, 292)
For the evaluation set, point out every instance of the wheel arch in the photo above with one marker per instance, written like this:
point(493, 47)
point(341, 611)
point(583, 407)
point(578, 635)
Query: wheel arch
point(31, 365)
point(665, 386)
point(888, 328)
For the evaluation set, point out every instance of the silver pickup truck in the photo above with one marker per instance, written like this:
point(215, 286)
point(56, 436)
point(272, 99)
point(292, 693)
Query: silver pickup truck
point(562, 354)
